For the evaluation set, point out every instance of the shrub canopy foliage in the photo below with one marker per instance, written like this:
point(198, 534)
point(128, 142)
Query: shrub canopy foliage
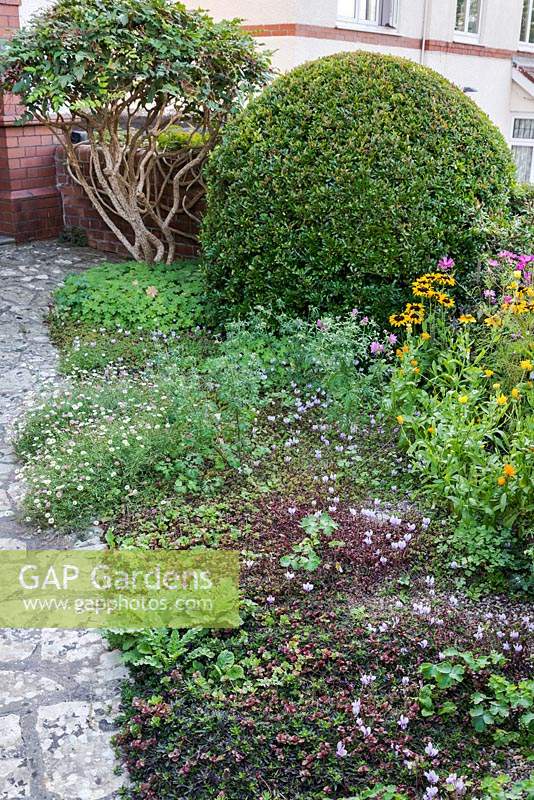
point(354, 170)
point(126, 72)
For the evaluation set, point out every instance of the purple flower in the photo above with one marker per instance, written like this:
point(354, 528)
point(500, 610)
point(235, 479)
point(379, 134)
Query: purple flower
point(308, 587)
point(430, 750)
point(456, 783)
point(356, 706)
point(403, 722)
point(364, 321)
point(376, 348)
point(445, 264)
point(432, 777)
point(392, 339)
point(340, 750)
point(270, 599)
point(320, 325)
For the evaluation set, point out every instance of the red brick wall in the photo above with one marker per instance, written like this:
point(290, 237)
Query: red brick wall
point(30, 206)
point(78, 212)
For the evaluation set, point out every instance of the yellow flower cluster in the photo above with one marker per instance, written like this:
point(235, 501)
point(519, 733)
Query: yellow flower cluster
point(424, 286)
point(430, 286)
point(522, 301)
point(413, 314)
point(427, 285)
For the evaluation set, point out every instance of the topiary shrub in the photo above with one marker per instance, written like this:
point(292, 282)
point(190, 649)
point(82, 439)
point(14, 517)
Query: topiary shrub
point(347, 177)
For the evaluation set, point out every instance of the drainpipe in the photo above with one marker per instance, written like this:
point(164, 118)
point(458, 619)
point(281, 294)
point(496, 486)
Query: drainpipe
point(426, 14)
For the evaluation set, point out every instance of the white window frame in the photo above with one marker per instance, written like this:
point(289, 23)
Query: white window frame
point(524, 142)
point(525, 43)
point(355, 22)
point(465, 35)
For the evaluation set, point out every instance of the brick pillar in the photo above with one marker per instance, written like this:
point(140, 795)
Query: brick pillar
point(30, 205)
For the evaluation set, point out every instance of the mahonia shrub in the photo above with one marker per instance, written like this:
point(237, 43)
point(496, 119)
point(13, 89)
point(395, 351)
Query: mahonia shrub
point(345, 178)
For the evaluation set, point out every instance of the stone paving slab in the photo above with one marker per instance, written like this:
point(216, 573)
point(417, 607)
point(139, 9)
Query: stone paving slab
point(59, 690)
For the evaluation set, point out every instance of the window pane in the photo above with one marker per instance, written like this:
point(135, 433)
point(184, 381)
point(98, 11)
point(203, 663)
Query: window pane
point(524, 129)
point(527, 22)
point(474, 15)
point(368, 11)
point(523, 160)
point(461, 8)
point(345, 8)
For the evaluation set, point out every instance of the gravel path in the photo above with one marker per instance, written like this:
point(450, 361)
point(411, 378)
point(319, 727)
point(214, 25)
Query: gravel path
point(58, 689)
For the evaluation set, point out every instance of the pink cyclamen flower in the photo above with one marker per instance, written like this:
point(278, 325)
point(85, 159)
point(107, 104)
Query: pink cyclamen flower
point(445, 264)
point(403, 722)
point(376, 348)
point(341, 752)
point(430, 750)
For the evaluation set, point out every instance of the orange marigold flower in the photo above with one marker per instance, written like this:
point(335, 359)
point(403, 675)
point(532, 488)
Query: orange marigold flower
point(509, 470)
point(501, 480)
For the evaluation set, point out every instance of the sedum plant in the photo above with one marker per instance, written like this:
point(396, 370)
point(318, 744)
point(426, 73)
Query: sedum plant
point(127, 73)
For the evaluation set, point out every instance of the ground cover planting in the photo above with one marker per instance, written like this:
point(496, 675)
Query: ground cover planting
point(385, 649)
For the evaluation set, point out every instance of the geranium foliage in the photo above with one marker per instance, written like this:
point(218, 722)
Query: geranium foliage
point(126, 72)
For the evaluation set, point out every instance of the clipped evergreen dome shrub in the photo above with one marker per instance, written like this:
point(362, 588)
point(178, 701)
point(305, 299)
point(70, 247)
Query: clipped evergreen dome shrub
point(344, 179)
